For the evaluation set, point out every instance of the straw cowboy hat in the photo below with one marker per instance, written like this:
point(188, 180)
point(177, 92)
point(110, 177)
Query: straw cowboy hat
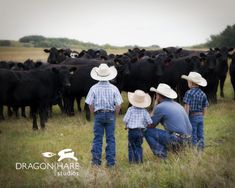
point(195, 78)
point(165, 90)
point(139, 99)
point(103, 72)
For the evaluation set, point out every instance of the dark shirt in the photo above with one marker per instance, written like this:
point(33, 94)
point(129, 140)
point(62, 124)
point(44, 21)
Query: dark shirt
point(196, 99)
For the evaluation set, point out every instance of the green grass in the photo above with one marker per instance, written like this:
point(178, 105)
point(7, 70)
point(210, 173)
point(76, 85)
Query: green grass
point(212, 168)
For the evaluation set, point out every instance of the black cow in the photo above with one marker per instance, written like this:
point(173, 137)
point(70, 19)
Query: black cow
point(8, 81)
point(175, 68)
point(94, 54)
point(222, 66)
point(81, 82)
point(232, 71)
point(208, 71)
point(35, 88)
point(142, 74)
point(57, 56)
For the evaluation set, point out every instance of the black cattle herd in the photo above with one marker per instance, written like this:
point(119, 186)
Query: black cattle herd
point(65, 77)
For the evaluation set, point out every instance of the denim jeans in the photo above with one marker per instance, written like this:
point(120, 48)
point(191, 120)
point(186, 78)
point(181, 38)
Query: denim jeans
point(135, 141)
point(104, 122)
point(197, 123)
point(160, 140)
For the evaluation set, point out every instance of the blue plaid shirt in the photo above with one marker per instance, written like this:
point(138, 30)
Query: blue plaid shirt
point(137, 118)
point(196, 99)
point(104, 96)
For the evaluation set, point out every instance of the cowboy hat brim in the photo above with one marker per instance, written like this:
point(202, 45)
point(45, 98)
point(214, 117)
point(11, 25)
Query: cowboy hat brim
point(172, 94)
point(111, 76)
point(146, 103)
point(202, 82)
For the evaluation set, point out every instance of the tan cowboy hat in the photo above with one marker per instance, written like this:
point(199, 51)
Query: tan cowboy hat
point(195, 78)
point(139, 99)
point(165, 90)
point(103, 72)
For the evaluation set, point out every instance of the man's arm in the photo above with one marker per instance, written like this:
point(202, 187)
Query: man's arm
point(204, 111)
point(186, 107)
point(91, 107)
point(117, 109)
point(157, 115)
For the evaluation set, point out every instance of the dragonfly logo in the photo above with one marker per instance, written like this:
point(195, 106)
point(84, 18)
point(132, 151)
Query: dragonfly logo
point(63, 154)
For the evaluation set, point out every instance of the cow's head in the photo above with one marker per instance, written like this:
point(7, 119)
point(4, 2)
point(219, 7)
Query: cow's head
point(172, 52)
point(209, 60)
point(55, 56)
point(222, 55)
point(158, 64)
point(64, 74)
point(194, 63)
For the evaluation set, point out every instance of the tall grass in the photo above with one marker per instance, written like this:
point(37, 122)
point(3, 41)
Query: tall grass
point(212, 168)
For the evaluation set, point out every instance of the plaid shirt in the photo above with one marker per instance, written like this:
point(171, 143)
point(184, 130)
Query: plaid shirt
point(196, 99)
point(137, 118)
point(104, 96)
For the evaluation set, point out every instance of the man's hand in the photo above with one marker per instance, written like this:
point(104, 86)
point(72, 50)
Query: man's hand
point(151, 126)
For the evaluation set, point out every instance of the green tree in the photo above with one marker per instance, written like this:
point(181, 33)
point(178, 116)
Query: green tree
point(225, 38)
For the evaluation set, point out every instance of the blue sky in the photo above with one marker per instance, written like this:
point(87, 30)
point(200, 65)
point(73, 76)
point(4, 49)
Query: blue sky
point(118, 22)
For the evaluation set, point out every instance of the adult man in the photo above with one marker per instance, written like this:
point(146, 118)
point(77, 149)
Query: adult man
point(104, 99)
point(173, 117)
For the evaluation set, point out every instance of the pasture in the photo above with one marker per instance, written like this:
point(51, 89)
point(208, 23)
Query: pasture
point(19, 144)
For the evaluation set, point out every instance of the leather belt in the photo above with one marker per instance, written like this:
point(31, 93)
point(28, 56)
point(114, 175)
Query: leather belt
point(141, 129)
point(196, 113)
point(100, 111)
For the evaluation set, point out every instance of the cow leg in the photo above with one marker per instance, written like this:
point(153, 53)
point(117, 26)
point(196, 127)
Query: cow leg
point(78, 99)
point(87, 111)
point(61, 105)
point(233, 91)
point(42, 115)
point(9, 111)
point(1, 113)
point(16, 111)
point(30, 112)
point(23, 111)
point(222, 80)
point(34, 116)
point(70, 106)
point(42, 119)
point(49, 111)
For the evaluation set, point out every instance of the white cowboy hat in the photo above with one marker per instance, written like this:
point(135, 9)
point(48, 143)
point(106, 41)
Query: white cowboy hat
point(165, 90)
point(195, 78)
point(103, 72)
point(139, 99)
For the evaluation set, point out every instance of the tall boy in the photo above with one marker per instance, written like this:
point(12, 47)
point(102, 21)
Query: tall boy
point(196, 103)
point(104, 99)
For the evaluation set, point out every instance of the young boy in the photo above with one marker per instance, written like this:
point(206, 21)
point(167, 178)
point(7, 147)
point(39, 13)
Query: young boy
point(104, 100)
point(196, 103)
point(137, 119)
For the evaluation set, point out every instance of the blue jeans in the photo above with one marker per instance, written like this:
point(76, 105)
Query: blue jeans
point(160, 141)
point(197, 123)
point(135, 141)
point(104, 122)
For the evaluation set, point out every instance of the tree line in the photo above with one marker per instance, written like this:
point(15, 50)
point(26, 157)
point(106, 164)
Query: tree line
point(225, 38)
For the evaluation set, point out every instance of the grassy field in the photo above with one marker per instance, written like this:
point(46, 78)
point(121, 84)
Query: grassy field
point(212, 168)
point(21, 54)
